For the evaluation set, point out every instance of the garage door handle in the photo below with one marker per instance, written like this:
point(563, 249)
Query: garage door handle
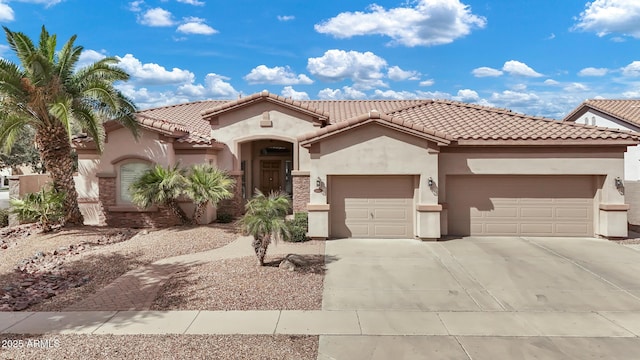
point(372, 215)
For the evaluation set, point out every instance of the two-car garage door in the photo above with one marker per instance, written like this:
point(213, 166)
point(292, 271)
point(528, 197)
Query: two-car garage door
point(520, 205)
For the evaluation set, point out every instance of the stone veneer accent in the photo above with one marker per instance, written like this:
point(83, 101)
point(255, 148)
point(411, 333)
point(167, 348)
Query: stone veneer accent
point(161, 217)
point(301, 196)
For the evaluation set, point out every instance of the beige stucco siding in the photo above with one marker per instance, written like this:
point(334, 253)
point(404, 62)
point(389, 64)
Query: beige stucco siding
point(243, 125)
point(373, 149)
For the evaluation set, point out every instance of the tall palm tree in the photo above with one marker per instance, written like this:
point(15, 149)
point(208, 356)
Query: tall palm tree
point(207, 184)
point(264, 220)
point(48, 93)
point(161, 186)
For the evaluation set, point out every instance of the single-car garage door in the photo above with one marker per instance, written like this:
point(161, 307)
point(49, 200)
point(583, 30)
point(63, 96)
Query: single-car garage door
point(371, 206)
point(520, 205)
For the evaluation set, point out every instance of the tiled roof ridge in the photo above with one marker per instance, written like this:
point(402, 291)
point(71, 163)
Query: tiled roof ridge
point(410, 106)
point(374, 115)
point(189, 103)
point(264, 95)
point(164, 124)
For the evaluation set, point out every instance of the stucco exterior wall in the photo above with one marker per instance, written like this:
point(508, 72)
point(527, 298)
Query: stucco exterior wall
point(237, 127)
point(632, 156)
point(373, 149)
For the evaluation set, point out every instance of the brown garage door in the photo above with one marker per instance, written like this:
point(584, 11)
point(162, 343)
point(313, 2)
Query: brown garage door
point(371, 206)
point(520, 205)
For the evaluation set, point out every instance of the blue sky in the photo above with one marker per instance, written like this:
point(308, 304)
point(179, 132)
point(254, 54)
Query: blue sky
point(540, 57)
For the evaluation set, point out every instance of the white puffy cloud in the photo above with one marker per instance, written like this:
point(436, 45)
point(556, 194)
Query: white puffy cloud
point(286, 17)
point(215, 87)
point(88, 57)
point(136, 6)
point(591, 71)
point(428, 82)
point(195, 25)
point(394, 95)
point(192, 2)
point(278, 75)
point(551, 82)
point(486, 72)
point(6, 12)
point(153, 74)
point(395, 73)
point(419, 23)
point(514, 67)
point(346, 93)
point(632, 70)
point(631, 94)
point(467, 95)
point(156, 17)
point(289, 92)
point(611, 16)
point(510, 99)
point(575, 87)
point(364, 69)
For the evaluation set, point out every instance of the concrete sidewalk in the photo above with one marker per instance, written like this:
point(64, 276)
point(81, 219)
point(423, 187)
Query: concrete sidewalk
point(355, 323)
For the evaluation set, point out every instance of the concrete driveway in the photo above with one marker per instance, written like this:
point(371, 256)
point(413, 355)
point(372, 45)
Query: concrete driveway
point(477, 298)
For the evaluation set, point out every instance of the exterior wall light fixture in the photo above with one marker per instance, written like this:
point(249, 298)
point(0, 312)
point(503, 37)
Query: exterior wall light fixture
point(430, 182)
point(318, 188)
point(619, 183)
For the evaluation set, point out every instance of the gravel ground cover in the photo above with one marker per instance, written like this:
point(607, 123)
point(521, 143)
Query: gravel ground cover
point(241, 284)
point(263, 347)
point(90, 256)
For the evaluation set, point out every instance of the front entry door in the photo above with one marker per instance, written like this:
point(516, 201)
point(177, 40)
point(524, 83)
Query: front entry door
point(270, 179)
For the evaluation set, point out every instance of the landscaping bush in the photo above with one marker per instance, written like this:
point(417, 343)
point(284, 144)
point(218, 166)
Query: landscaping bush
point(299, 227)
point(45, 206)
point(4, 218)
point(224, 218)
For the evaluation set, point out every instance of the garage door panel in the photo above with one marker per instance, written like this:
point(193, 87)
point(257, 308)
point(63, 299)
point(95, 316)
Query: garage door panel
point(521, 205)
point(371, 206)
point(536, 212)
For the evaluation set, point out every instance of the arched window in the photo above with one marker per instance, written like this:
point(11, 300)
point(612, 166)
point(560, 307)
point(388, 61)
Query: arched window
point(128, 174)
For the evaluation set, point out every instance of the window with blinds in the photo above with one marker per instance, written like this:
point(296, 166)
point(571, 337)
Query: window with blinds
point(129, 173)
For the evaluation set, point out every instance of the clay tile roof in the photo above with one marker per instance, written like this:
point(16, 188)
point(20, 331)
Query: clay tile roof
point(474, 122)
point(265, 95)
point(625, 110)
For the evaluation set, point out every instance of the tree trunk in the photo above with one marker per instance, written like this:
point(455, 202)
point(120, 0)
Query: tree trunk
point(197, 212)
point(260, 245)
point(176, 209)
point(55, 153)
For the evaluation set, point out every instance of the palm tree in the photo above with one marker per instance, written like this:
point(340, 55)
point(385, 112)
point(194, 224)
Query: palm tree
point(207, 184)
point(264, 220)
point(45, 91)
point(161, 186)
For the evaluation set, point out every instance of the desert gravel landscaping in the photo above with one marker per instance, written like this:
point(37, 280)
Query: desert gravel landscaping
point(97, 256)
point(156, 347)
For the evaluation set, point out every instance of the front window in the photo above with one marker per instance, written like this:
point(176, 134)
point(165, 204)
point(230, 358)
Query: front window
point(129, 173)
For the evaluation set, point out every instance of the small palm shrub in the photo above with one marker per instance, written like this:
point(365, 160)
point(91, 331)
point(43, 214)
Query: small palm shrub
point(264, 220)
point(45, 206)
point(299, 227)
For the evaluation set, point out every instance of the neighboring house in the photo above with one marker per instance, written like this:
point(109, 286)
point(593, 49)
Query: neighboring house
point(376, 168)
point(623, 115)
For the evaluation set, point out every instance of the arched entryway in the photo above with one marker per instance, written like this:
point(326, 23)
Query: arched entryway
point(266, 165)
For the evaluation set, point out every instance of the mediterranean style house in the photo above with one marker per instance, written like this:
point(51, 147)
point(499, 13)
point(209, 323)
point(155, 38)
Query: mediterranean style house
point(623, 115)
point(375, 168)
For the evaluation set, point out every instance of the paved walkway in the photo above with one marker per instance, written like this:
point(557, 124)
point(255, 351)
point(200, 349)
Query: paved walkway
point(137, 289)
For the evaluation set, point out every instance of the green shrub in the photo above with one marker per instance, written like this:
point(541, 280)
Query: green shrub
point(45, 206)
point(299, 227)
point(224, 218)
point(4, 218)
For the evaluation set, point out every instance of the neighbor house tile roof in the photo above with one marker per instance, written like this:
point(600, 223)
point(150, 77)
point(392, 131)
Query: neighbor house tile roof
point(625, 110)
point(461, 122)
